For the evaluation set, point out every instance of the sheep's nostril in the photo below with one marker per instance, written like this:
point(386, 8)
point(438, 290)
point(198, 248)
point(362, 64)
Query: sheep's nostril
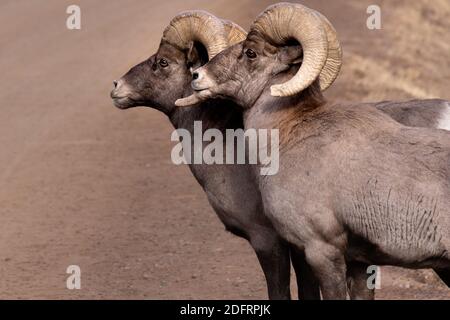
point(115, 83)
point(195, 75)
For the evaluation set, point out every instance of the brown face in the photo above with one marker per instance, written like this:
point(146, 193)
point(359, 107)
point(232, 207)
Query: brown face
point(243, 71)
point(156, 82)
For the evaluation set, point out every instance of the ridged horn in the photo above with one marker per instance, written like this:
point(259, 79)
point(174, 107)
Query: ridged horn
point(284, 21)
point(333, 64)
point(235, 32)
point(196, 25)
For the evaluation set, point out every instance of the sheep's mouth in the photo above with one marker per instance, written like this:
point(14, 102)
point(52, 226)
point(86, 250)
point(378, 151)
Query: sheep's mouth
point(199, 87)
point(123, 102)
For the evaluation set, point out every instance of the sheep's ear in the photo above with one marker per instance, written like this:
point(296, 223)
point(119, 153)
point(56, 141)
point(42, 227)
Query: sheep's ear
point(193, 57)
point(291, 55)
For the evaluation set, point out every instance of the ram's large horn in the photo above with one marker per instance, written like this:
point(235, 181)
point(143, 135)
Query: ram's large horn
point(235, 32)
point(284, 21)
point(198, 26)
point(333, 64)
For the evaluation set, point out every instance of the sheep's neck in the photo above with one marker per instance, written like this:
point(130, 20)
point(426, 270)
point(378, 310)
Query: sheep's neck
point(286, 114)
point(213, 115)
point(270, 111)
point(217, 114)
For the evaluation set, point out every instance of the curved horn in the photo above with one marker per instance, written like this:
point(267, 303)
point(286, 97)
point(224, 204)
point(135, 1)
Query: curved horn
point(196, 25)
point(333, 64)
point(235, 32)
point(284, 21)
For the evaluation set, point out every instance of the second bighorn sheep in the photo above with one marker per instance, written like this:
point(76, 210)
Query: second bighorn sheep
point(354, 185)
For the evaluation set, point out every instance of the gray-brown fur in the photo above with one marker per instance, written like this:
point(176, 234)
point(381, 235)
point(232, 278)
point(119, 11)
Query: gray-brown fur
point(353, 185)
point(416, 113)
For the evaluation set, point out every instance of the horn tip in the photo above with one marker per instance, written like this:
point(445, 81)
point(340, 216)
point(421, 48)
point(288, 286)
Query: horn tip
point(186, 102)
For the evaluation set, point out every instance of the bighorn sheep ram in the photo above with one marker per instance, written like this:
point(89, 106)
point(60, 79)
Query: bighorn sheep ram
point(354, 185)
point(189, 41)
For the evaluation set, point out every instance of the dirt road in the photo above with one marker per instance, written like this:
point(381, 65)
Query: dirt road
point(83, 183)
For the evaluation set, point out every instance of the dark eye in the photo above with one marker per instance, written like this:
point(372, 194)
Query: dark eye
point(163, 63)
point(250, 54)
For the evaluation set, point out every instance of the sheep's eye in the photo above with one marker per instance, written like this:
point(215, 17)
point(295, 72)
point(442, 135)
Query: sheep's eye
point(250, 54)
point(163, 63)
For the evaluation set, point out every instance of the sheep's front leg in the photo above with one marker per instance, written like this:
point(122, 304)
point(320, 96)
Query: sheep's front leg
point(328, 264)
point(273, 256)
point(307, 283)
point(357, 281)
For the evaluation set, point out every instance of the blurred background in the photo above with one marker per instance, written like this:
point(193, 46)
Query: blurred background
point(84, 183)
